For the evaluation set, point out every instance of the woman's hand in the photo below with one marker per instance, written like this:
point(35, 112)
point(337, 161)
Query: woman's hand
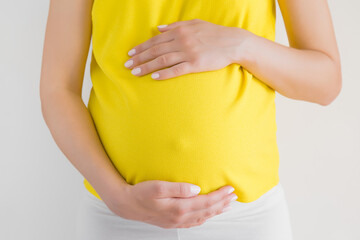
point(171, 204)
point(185, 47)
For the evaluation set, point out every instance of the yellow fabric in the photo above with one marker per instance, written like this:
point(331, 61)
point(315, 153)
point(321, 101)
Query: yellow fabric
point(210, 128)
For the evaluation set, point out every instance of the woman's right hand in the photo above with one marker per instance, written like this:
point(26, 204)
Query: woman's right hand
point(172, 204)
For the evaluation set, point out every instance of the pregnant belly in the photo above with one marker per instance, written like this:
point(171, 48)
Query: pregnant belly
point(195, 128)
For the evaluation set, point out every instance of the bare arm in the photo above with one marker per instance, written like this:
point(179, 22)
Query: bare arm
point(66, 46)
point(310, 68)
point(161, 203)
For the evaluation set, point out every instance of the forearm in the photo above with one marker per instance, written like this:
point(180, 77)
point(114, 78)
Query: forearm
point(74, 132)
point(295, 73)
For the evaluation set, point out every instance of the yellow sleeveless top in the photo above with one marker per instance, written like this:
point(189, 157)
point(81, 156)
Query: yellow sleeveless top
point(210, 128)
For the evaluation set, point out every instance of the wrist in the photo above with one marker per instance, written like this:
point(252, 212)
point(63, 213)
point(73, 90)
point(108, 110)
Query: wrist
point(117, 195)
point(124, 193)
point(242, 51)
point(117, 198)
point(110, 185)
point(119, 190)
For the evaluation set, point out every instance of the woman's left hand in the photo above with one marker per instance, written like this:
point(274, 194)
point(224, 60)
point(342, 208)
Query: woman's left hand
point(186, 47)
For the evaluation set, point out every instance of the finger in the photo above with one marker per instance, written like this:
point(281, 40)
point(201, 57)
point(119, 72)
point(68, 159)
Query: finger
point(205, 201)
point(174, 71)
point(176, 24)
point(207, 211)
point(213, 210)
point(152, 53)
point(163, 61)
point(160, 38)
point(167, 189)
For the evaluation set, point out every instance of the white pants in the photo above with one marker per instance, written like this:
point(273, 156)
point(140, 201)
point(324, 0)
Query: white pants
point(266, 218)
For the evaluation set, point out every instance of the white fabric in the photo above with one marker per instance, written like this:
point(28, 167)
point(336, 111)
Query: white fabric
point(266, 218)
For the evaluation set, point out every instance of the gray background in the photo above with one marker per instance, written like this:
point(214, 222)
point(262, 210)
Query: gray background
point(40, 190)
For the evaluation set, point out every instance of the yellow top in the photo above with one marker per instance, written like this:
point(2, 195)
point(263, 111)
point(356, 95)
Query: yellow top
point(210, 128)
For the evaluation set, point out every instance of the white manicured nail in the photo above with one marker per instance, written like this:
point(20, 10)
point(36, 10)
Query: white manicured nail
point(231, 190)
point(136, 71)
point(129, 63)
point(132, 52)
point(195, 189)
point(162, 26)
point(155, 75)
point(234, 198)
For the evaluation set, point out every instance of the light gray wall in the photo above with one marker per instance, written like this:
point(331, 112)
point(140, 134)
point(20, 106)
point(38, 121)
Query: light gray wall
point(40, 190)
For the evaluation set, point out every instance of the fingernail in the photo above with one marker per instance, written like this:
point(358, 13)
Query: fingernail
point(136, 71)
point(132, 52)
point(226, 208)
point(162, 26)
point(234, 198)
point(155, 75)
point(195, 189)
point(129, 63)
point(231, 190)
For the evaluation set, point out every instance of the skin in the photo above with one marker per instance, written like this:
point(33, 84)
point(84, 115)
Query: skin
point(161, 203)
point(191, 46)
point(182, 47)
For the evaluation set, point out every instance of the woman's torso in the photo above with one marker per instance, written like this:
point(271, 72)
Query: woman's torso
point(209, 128)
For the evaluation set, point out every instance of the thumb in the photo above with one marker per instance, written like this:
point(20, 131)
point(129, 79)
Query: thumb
point(166, 189)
